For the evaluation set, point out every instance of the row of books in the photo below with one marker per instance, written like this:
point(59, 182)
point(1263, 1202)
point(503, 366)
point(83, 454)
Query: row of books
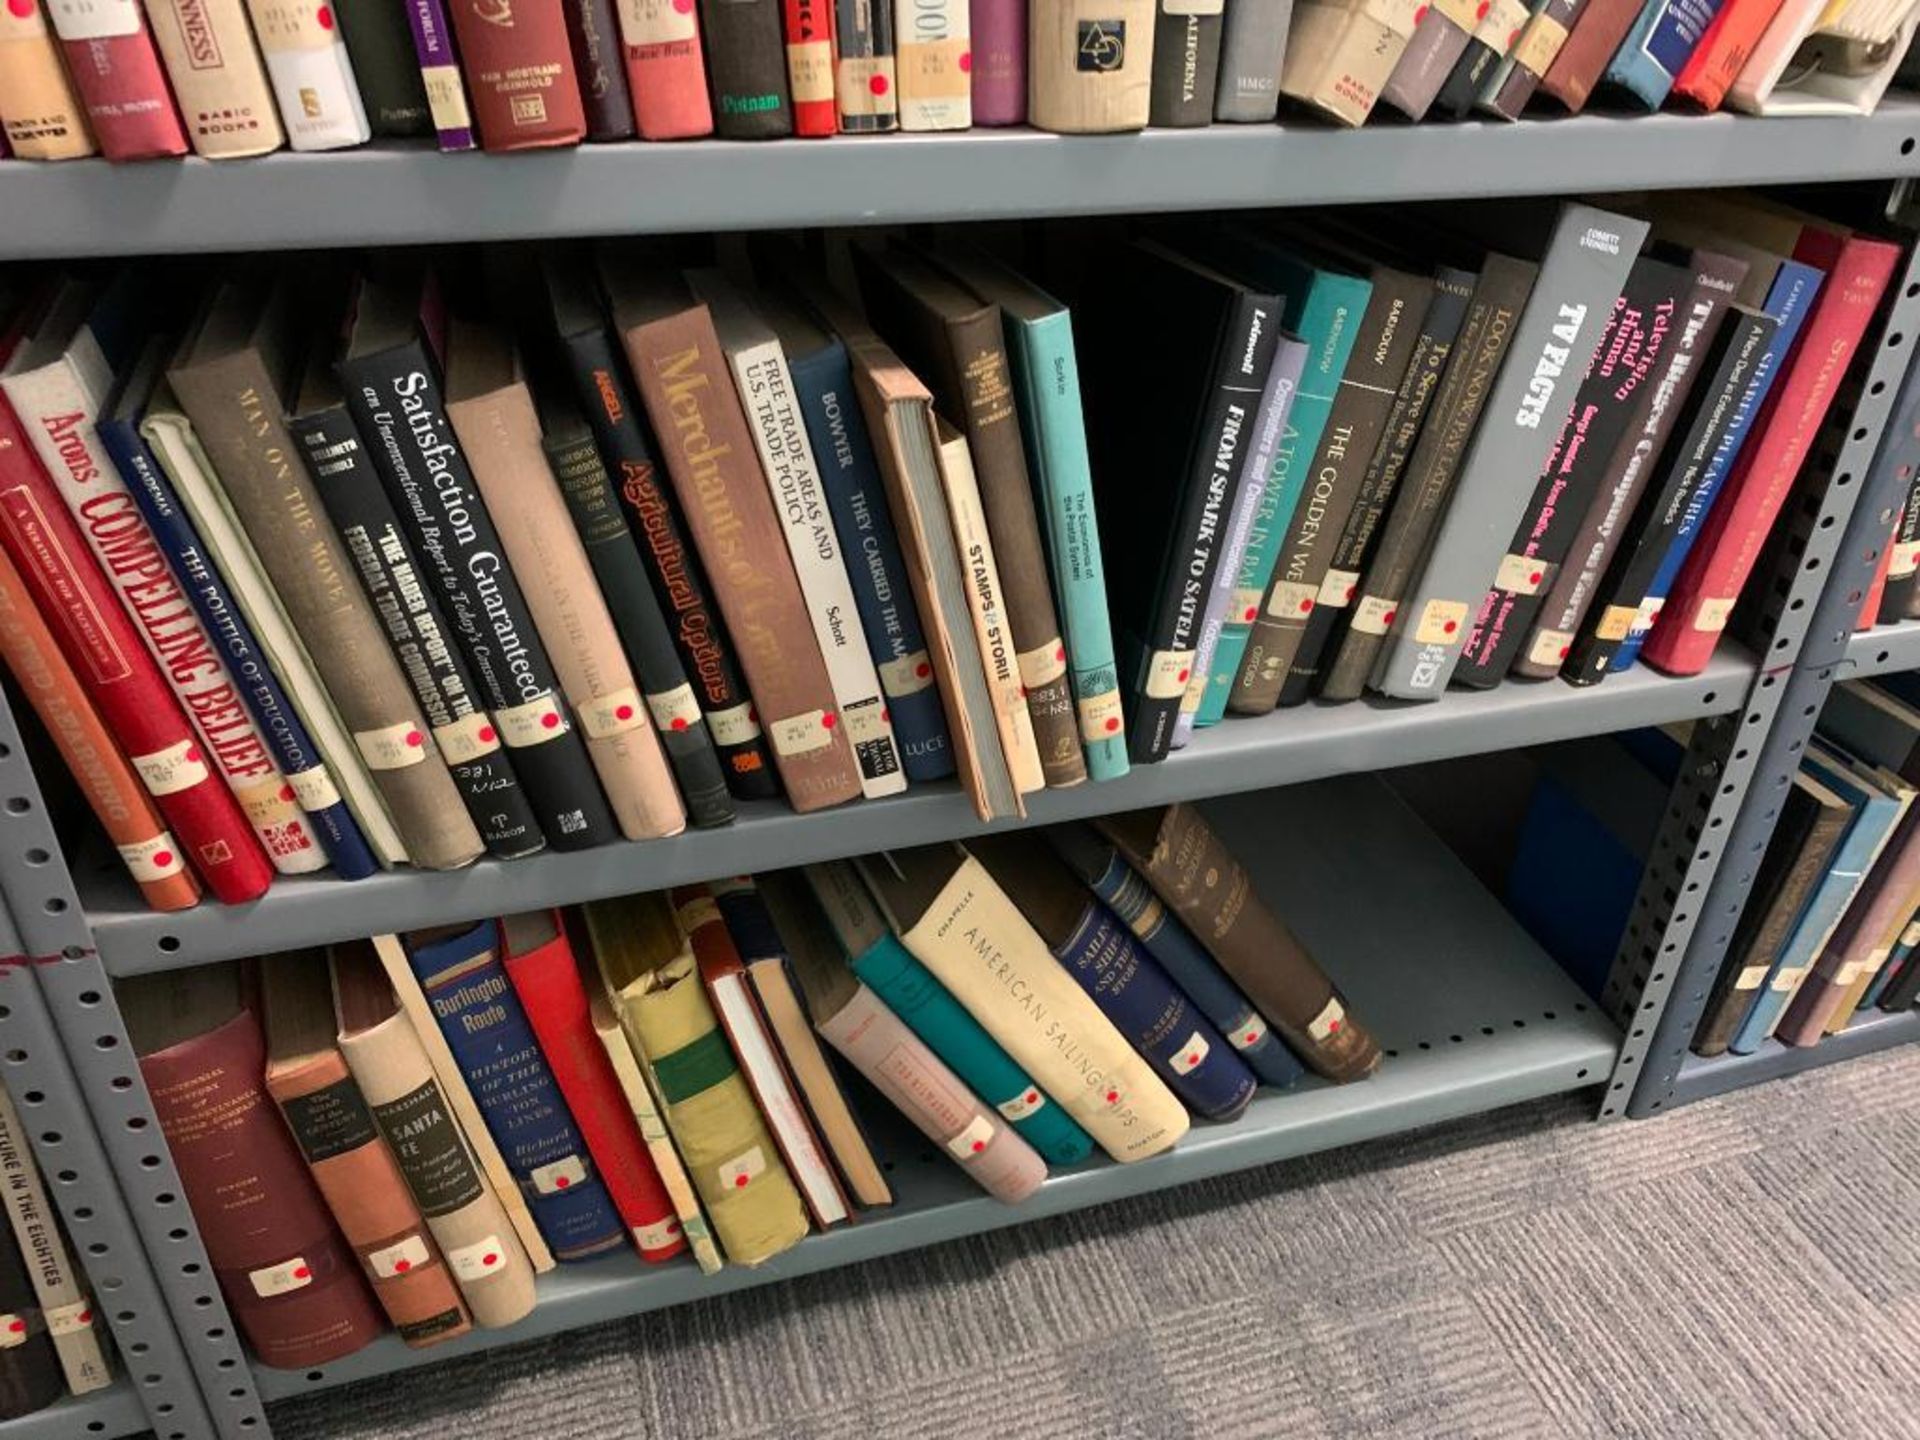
point(231, 78)
point(1834, 914)
point(52, 1343)
point(465, 1107)
point(286, 600)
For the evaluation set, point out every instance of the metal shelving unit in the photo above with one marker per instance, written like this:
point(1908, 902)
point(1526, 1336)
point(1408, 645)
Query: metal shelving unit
point(1871, 1030)
point(1881, 651)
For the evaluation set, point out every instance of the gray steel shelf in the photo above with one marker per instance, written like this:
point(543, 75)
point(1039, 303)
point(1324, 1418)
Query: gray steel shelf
point(1870, 1031)
point(1882, 650)
point(102, 1415)
point(1474, 1013)
point(399, 194)
point(1293, 746)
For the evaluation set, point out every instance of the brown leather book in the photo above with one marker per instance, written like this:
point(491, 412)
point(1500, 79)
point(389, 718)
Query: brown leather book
point(1582, 60)
point(293, 1286)
point(40, 114)
point(225, 376)
point(519, 68)
point(358, 1177)
point(689, 396)
point(1193, 872)
point(493, 414)
point(953, 339)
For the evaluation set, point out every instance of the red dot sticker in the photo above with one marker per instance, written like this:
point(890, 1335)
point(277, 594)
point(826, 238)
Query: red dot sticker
point(193, 754)
point(1113, 1097)
point(1535, 577)
point(561, 1183)
point(301, 1272)
point(1333, 1027)
point(1252, 611)
point(923, 669)
point(1420, 14)
point(163, 858)
point(1563, 651)
point(1181, 677)
point(966, 63)
point(286, 792)
point(403, 1265)
point(878, 84)
point(1193, 1059)
point(829, 720)
point(1480, 10)
point(18, 1327)
point(86, 1317)
point(1032, 1097)
point(886, 717)
point(978, 1146)
point(550, 720)
point(679, 723)
point(1513, 37)
point(325, 16)
point(623, 712)
point(1352, 590)
point(1060, 652)
point(1450, 627)
point(490, 1258)
point(20, 9)
point(1306, 605)
point(739, 1182)
point(415, 739)
point(1113, 724)
point(1252, 1035)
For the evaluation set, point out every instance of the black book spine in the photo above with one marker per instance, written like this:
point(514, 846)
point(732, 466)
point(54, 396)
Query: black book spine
point(1217, 460)
point(1462, 88)
point(673, 569)
point(1686, 465)
point(644, 635)
point(1901, 598)
point(395, 397)
point(599, 65)
point(1186, 62)
point(351, 493)
point(746, 48)
point(1632, 345)
point(30, 1374)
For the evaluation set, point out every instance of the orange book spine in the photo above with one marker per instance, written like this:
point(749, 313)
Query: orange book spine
point(1724, 51)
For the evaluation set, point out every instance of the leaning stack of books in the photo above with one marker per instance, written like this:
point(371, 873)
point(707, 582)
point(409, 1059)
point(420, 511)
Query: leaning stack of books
point(230, 78)
point(462, 1108)
point(354, 570)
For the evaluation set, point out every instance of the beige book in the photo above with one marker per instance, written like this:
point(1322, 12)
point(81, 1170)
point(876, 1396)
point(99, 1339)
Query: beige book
point(1341, 52)
point(1836, 59)
point(217, 76)
point(493, 414)
point(39, 111)
point(413, 1004)
point(1091, 65)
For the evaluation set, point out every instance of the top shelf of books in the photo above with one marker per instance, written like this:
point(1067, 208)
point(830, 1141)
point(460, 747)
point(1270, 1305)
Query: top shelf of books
point(397, 193)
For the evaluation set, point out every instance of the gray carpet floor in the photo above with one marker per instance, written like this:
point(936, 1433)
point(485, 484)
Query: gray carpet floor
point(1744, 1267)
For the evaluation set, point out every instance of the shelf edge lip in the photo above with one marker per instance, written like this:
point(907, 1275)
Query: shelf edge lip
point(1235, 756)
point(1881, 651)
point(1702, 1079)
point(391, 193)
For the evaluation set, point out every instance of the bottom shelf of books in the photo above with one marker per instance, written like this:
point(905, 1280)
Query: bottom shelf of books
point(1471, 1014)
point(105, 1414)
point(1870, 1030)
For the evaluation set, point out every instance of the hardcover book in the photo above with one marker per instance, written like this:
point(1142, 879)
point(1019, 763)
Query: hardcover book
point(598, 57)
point(1825, 59)
point(1723, 51)
point(1662, 39)
point(294, 1288)
point(997, 63)
point(935, 56)
point(30, 1377)
point(110, 55)
point(40, 113)
point(810, 66)
point(747, 65)
point(1499, 30)
point(526, 93)
point(1591, 42)
point(218, 77)
point(1441, 34)
point(1341, 52)
point(385, 67)
point(440, 73)
point(1505, 92)
point(1253, 43)
point(866, 92)
point(1186, 62)
point(666, 69)
point(312, 74)
point(1091, 68)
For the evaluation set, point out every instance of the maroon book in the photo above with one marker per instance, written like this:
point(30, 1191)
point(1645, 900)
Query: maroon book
point(519, 66)
point(110, 54)
point(1589, 46)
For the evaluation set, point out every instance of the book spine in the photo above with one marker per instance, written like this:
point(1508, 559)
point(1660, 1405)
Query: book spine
point(385, 68)
point(277, 506)
point(1218, 462)
point(998, 72)
point(55, 408)
point(30, 1374)
point(112, 787)
point(464, 1216)
point(666, 69)
point(1253, 43)
point(1440, 38)
point(1090, 69)
point(440, 73)
point(793, 483)
point(344, 478)
point(1868, 615)
point(934, 45)
point(1873, 934)
point(101, 646)
point(1390, 331)
point(1632, 344)
point(681, 587)
point(683, 379)
point(293, 750)
point(1053, 422)
point(1111, 1092)
point(1589, 45)
point(1340, 53)
point(598, 54)
point(362, 1184)
point(1658, 47)
point(312, 74)
point(1186, 62)
point(811, 66)
point(1791, 302)
point(501, 434)
point(642, 629)
point(746, 61)
point(519, 70)
point(1517, 76)
point(1558, 620)
point(896, 640)
point(1493, 38)
point(548, 983)
point(65, 1306)
point(110, 55)
point(1326, 321)
point(396, 399)
point(1901, 598)
point(294, 1289)
point(902, 1068)
point(217, 77)
point(1888, 974)
point(1723, 52)
point(40, 113)
point(865, 88)
point(485, 1024)
point(1708, 585)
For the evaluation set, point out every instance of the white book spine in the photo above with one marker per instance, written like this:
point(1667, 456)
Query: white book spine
point(312, 75)
point(934, 42)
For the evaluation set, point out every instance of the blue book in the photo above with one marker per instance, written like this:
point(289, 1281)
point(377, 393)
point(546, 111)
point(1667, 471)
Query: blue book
point(823, 383)
point(1789, 301)
point(1125, 891)
point(293, 749)
point(1874, 815)
point(487, 1030)
point(1657, 48)
point(1127, 983)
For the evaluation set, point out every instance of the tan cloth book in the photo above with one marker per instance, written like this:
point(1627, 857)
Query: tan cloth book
point(217, 75)
point(39, 110)
point(1341, 53)
point(1091, 66)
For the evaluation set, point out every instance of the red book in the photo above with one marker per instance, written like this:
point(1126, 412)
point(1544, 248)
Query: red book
point(1723, 52)
point(811, 66)
point(545, 976)
point(518, 61)
point(1869, 615)
point(121, 678)
point(110, 54)
point(666, 68)
point(1858, 271)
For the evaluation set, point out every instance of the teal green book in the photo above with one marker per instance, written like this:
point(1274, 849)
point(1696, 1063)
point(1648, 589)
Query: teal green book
point(1323, 307)
point(930, 1011)
point(1046, 376)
